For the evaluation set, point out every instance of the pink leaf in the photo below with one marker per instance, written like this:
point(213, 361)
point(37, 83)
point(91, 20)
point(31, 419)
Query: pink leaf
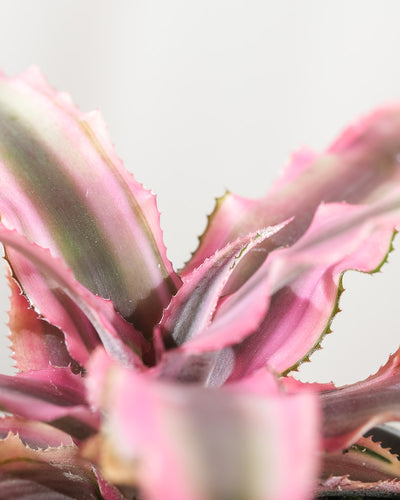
point(34, 434)
point(192, 309)
point(190, 314)
point(178, 439)
point(36, 343)
point(54, 395)
point(70, 306)
point(287, 303)
point(65, 188)
point(350, 411)
point(304, 283)
point(361, 166)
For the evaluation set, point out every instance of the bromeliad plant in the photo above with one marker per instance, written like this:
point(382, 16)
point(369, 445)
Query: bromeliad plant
point(135, 381)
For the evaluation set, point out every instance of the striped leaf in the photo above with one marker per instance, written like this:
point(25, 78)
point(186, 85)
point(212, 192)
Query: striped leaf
point(35, 343)
point(360, 167)
point(86, 319)
point(53, 395)
point(64, 188)
point(288, 301)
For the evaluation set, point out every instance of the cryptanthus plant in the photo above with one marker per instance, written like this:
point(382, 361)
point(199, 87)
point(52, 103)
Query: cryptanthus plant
point(137, 381)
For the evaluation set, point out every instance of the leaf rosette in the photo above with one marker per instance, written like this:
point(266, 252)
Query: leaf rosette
point(137, 381)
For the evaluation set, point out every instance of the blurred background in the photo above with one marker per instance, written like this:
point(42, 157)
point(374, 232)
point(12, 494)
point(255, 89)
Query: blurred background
point(203, 96)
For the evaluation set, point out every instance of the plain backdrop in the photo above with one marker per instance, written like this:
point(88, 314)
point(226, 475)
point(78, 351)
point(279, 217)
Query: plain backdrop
point(201, 96)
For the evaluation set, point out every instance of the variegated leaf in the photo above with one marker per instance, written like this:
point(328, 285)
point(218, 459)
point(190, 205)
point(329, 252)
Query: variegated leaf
point(85, 319)
point(36, 344)
point(191, 312)
point(350, 411)
point(365, 460)
point(192, 309)
point(360, 167)
point(53, 395)
point(64, 187)
point(289, 300)
point(341, 237)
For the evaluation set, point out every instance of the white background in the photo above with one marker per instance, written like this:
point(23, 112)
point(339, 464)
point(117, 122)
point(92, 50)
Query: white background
point(205, 95)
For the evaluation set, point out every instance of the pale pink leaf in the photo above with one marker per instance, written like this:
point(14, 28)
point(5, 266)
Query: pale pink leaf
point(203, 444)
